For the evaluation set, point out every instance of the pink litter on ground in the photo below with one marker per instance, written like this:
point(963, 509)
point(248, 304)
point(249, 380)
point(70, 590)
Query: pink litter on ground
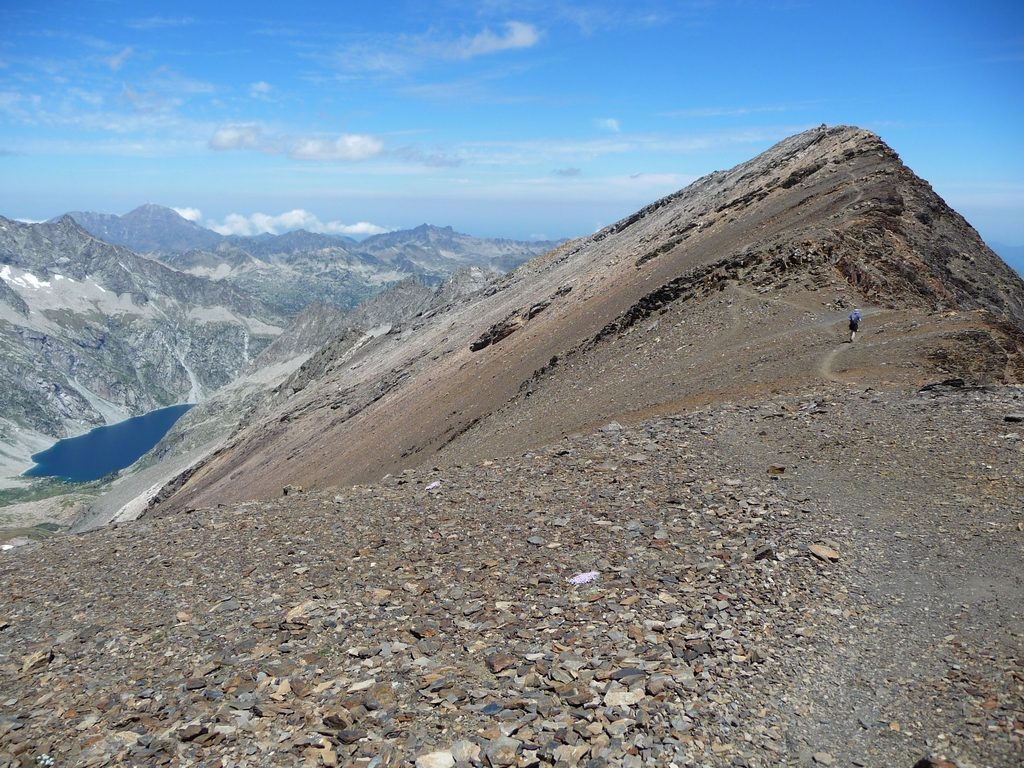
point(583, 578)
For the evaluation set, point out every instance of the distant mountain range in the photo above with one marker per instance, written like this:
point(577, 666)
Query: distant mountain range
point(91, 333)
point(104, 317)
point(298, 268)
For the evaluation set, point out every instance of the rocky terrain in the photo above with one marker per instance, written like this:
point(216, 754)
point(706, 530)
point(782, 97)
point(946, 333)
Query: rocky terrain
point(755, 585)
point(638, 502)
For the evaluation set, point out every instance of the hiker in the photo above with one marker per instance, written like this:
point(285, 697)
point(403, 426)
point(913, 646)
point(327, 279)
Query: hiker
point(854, 324)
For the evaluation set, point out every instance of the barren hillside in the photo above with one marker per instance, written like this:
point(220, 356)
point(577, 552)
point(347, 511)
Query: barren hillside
point(736, 287)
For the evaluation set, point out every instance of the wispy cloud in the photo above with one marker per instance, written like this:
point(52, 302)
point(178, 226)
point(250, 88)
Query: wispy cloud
point(516, 35)
point(478, 88)
point(251, 136)
point(403, 54)
point(558, 151)
point(14, 105)
point(240, 136)
point(298, 218)
point(608, 124)
point(159, 22)
point(172, 81)
point(433, 159)
point(117, 61)
point(567, 173)
point(92, 98)
point(261, 90)
point(350, 146)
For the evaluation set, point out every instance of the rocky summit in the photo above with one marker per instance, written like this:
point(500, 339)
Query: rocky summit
point(639, 502)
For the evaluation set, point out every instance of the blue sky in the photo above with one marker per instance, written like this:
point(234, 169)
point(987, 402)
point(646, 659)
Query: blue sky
point(522, 119)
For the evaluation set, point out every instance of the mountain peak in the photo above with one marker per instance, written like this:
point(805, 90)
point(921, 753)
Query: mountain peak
point(149, 227)
point(770, 254)
point(154, 212)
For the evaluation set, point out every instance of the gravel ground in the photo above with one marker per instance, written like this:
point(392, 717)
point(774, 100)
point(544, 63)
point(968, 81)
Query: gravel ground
point(807, 581)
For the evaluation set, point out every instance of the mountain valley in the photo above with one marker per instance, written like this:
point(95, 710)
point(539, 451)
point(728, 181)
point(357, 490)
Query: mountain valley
point(95, 333)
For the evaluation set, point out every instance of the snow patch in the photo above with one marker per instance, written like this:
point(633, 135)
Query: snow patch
point(24, 280)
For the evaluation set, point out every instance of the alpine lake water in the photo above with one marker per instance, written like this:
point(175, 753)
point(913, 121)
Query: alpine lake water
point(105, 449)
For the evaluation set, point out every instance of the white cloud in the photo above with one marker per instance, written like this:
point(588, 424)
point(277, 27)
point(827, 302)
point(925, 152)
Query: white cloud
point(608, 124)
point(240, 136)
point(357, 229)
point(192, 214)
point(260, 90)
point(400, 55)
point(264, 223)
point(347, 146)
point(517, 35)
point(117, 61)
point(351, 146)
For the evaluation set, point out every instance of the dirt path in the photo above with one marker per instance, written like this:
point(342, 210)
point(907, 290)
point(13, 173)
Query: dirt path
point(924, 655)
point(827, 363)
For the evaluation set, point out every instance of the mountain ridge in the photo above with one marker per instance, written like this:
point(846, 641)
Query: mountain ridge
point(821, 222)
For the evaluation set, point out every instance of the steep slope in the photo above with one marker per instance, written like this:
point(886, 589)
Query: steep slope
point(92, 333)
point(735, 287)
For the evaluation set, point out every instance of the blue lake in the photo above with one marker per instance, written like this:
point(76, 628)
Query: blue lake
point(105, 449)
